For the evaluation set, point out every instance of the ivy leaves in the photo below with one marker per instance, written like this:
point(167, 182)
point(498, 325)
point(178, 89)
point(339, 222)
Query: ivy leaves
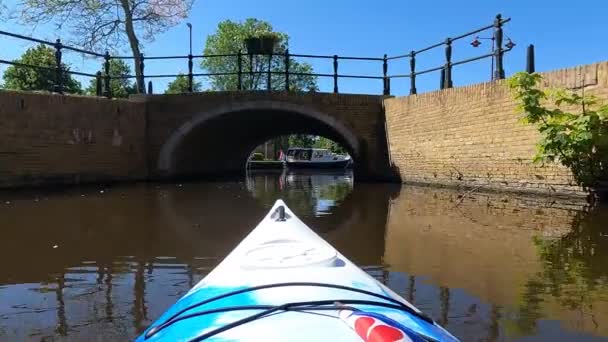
point(573, 127)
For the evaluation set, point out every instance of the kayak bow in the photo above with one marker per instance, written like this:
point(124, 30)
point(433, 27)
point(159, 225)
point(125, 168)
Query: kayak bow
point(283, 282)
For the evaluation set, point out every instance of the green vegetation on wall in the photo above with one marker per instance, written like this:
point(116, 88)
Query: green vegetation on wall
point(577, 139)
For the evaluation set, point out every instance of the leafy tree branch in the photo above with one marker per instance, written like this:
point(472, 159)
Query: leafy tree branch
point(576, 139)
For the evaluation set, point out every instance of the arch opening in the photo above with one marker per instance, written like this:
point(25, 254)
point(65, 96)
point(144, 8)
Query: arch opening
point(276, 148)
point(219, 142)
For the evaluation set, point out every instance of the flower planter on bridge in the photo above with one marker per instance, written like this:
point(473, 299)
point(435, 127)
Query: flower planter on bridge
point(263, 45)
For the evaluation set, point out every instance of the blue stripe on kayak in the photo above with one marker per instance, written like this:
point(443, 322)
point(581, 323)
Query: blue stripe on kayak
point(190, 328)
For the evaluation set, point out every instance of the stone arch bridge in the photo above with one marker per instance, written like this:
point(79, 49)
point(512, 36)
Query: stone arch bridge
point(460, 137)
point(213, 133)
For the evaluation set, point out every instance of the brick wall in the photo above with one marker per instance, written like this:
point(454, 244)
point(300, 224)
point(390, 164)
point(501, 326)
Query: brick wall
point(46, 139)
point(244, 130)
point(467, 136)
point(471, 136)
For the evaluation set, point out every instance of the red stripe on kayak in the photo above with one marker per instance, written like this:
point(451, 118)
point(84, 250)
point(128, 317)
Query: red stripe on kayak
point(362, 325)
point(373, 330)
point(384, 333)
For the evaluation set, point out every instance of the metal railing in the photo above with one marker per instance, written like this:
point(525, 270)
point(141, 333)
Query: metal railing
point(446, 69)
point(103, 78)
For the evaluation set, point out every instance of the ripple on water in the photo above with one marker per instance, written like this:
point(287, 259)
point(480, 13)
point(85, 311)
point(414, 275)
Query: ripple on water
point(488, 267)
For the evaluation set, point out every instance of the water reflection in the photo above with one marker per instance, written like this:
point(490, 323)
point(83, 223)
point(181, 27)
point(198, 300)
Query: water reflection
point(316, 192)
point(103, 263)
point(500, 268)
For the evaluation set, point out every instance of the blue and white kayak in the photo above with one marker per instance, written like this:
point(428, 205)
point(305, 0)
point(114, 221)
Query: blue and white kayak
point(283, 282)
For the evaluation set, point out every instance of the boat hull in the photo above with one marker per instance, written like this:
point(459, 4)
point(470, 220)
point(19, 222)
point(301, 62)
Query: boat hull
point(340, 164)
point(265, 165)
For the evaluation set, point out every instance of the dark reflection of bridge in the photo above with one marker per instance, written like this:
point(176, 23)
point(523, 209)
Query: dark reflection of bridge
point(328, 203)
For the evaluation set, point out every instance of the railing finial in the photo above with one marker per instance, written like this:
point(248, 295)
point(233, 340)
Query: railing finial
point(498, 36)
point(448, 63)
point(190, 74)
point(58, 88)
point(530, 62)
point(412, 72)
point(335, 58)
point(286, 69)
point(107, 92)
point(142, 81)
point(239, 63)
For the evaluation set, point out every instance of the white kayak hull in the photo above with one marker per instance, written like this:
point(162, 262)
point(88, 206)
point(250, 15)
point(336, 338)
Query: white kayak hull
point(283, 252)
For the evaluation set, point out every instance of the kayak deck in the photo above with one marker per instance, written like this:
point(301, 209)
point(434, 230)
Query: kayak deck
point(284, 282)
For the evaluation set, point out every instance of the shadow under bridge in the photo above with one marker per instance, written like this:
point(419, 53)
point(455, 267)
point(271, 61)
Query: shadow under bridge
point(211, 134)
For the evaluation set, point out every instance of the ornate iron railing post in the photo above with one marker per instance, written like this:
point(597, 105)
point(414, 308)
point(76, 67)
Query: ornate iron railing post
point(412, 72)
point(442, 79)
point(269, 80)
point(448, 63)
point(335, 74)
point(106, 79)
point(388, 86)
point(239, 75)
point(150, 90)
point(190, 75)
point(142, 90)
point(498, 35)
point(530, 66)
point(287, 70)
point(386, 90)
point(98, 84)
point(58, 88)
point(250, 70)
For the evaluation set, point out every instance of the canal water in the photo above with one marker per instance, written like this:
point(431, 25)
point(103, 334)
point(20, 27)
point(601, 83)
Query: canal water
point(101, 263)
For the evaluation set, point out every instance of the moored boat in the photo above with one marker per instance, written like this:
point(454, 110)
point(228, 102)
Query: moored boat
point(318, 158)
point(283, 282)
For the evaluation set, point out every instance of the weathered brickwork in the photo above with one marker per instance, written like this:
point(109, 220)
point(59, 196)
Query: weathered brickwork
point(236, 122)
point(49, 139)
point(467, 136)
point(470, 136)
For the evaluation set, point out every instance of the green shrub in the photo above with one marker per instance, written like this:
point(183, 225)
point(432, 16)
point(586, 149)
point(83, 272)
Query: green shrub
point(578, 140)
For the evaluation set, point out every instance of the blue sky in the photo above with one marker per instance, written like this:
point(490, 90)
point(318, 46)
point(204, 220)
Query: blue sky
point(565, 33)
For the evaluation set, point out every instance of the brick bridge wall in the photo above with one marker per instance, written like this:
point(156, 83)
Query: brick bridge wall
point(54, 139)
point(470, 136)
point(214, 132)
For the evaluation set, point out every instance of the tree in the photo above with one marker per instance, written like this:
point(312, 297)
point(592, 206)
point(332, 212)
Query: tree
point(322, 142)
point(108, 24)
point(578, 140)
point(230, 38)
point(119, 87)
point(24, 78)
point(180, 85)
point(301, 140)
